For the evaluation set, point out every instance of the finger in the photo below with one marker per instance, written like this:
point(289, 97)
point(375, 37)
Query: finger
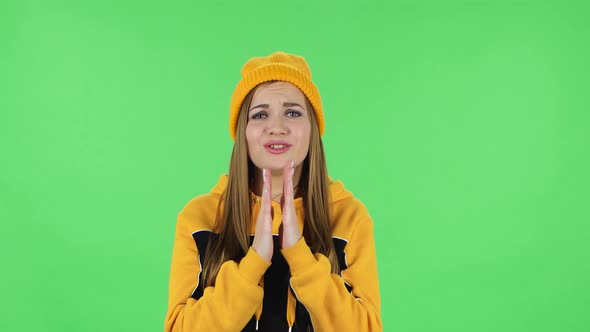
point(288, 183)
point(266, 194)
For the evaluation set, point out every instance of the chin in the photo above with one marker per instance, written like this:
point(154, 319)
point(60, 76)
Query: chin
point(274, 165)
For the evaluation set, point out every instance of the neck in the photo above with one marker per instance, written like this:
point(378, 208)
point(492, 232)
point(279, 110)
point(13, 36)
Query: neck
point(276, 183)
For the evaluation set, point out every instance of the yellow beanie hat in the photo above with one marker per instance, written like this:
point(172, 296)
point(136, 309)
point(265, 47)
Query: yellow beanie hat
point(279, 66)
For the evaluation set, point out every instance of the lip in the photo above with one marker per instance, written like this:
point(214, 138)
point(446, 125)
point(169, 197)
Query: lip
point(277, 151)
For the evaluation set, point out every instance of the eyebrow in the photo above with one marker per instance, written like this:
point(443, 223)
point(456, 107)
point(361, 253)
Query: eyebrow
point(284, 104)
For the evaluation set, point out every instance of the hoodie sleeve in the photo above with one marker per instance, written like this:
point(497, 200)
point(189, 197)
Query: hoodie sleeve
point(228, 306)
point(324, 294)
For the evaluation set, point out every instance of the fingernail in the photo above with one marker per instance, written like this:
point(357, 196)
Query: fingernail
point(292, 164)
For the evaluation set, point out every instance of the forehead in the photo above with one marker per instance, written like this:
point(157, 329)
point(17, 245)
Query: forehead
point(279, 89)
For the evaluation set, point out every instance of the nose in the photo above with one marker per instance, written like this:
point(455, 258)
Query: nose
point(276, 126)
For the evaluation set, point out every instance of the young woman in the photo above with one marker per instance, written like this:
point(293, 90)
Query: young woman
point(277, 245)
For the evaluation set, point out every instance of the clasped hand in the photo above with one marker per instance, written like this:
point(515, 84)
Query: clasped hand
point(289, 232)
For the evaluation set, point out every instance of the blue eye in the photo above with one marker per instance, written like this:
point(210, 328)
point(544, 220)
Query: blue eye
point(294, 114)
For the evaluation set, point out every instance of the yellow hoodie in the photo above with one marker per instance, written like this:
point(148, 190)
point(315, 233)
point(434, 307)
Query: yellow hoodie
point(314, 299)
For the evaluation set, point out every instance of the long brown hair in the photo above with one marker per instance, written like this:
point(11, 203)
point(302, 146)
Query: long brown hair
point(234, 211)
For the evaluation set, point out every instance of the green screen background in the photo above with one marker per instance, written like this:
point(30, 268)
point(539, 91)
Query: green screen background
point(464, 127)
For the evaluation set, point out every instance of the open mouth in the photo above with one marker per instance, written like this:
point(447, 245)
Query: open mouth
point(277, 148)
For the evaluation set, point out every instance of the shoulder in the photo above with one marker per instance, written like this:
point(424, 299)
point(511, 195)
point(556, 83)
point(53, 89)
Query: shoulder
point(346, 211)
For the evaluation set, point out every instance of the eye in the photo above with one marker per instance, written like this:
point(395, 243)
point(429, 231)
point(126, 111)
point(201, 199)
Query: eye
point(259, 115)
point(293, 114)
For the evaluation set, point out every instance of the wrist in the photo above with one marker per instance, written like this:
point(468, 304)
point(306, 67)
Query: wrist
point(290, 241)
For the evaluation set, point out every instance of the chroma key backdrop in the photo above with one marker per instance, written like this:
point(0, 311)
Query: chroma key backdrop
point(464, 127)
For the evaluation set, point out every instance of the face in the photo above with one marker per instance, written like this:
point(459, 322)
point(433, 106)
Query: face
point(278, 127)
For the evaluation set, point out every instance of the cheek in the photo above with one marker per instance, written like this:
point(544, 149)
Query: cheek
point(253, 135)
point(250, 134)
point(304, 133)
point(249, 139)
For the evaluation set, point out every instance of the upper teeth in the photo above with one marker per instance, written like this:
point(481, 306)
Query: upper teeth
point(277, 146)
